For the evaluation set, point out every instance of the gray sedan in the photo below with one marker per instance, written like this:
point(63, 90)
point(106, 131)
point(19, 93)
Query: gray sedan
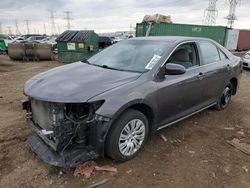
point(110, 103)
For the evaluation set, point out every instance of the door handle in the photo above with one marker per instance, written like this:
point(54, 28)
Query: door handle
point(200, 76)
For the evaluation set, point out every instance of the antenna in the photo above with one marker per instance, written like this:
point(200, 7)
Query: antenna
point(17, 28)
point(210, 13)
point(231, 16)
point(68, 18)
point(27, 25)
point(52, 19)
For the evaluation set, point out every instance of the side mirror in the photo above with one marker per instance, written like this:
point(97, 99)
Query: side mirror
point(174, 69)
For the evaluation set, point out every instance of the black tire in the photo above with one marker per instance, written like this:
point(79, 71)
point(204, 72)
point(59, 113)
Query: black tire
point(225, 97)
point(113, 138)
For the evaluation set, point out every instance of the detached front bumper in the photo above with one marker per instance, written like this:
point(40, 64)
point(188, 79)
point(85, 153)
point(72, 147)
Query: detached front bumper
point(74, 154)
point(66, 159)
point(64, 142)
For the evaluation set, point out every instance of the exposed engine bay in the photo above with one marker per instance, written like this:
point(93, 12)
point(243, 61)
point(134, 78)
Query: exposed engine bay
point(64, 127)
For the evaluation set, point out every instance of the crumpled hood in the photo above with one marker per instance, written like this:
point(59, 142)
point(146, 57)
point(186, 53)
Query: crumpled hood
point(76, 82)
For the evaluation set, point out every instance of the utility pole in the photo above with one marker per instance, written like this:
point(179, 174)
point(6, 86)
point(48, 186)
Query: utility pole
point(44, 28)
point(231, 17)
point(1, 29)
point(210, 13)
point(17, 28)
point(59, 30)
point(9, 30)
point(68, 18)
point(27, 26)
point(52, 21)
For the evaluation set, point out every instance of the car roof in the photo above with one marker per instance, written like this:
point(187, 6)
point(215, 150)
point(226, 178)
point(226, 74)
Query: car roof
point(173, 39)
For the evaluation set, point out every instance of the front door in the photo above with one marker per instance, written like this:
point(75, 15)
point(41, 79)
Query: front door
point(180, 95)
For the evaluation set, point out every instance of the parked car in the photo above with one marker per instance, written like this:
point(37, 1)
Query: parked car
point(110, 103)
point(104, 42)
point(35, 38)
point(19, 39)
point(246, 60)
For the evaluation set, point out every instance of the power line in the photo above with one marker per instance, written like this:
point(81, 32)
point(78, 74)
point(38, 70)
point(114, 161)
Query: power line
point(52, 21)
point(27, 26)
point(68, 18)
point(231, 17)
point(210, 13)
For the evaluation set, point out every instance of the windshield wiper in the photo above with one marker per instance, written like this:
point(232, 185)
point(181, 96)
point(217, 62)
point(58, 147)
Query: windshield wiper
point(85, 61)
point(112, 68)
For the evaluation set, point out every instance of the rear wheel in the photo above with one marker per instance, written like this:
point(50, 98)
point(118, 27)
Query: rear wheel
point(127, 136)
point(225, 98)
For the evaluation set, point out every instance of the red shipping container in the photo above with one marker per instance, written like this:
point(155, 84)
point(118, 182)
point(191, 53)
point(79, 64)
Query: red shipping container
point(244, 40)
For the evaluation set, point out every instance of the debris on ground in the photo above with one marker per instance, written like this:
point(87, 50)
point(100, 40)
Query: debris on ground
point(128, 171)
point(245, 168)
point(107, 168)
point(191, 152)
point(214, 175)
point(87, 168)
point(241, 133)
point(164, 138)
point(98, 184)
point(229, 128)
point(244, 147)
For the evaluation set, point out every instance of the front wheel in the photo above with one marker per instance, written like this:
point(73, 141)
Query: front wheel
point(127, 135)
point(225, 98)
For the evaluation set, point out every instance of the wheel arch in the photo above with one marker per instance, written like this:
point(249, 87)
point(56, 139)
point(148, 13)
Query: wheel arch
point(142, 107)
point(234, 83)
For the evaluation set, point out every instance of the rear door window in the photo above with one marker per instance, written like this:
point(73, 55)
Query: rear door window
point(209, 53)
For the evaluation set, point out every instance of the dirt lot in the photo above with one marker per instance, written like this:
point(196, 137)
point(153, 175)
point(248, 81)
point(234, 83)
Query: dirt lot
point(196, 153)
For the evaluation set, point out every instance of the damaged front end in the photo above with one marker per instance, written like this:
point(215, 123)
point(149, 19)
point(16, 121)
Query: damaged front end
point(66, 133)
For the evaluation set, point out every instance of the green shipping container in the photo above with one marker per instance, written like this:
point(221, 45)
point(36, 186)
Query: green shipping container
point(217, 33)
point(76, 45)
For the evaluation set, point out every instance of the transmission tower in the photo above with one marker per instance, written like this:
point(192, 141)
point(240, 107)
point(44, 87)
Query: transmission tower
point(17, 28)
point(68, 18)
point(52, 21)
point(210, 13)
point(27, 26)
point(231, 16)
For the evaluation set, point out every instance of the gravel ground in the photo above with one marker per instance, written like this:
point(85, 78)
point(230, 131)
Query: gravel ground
point(196, 153)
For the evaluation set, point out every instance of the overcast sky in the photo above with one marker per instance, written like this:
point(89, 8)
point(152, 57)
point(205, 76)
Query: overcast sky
point(110, 15)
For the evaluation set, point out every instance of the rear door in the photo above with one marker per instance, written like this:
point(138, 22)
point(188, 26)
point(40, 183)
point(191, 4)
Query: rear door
point(214, 71)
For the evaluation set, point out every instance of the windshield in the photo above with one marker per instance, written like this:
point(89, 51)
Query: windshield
point(130, 55)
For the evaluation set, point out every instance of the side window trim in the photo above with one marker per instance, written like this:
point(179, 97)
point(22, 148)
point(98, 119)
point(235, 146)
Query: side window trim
point(221, 52)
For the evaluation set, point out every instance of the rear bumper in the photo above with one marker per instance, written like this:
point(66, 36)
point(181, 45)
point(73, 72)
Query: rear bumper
point(66, 159)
